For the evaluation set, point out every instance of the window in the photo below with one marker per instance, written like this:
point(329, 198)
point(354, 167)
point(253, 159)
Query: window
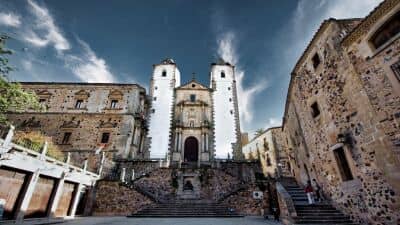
point(390, 29)
point(67, 136)
point(316, 61)
point(153, 111)
point(315, 110)
point(155, 88)
point(193, 85)
point(154, 98)
point(230, 99)
point(114, 104)
point(192, 98)
point(164, 73)
point(105, 138)
point(268, 160)
point(191, 123)
point(79, 104)
point(229, 88)
point(42, 100)
point(396, 69)
point(231, 111)
point(222, 74)
point(343, 165)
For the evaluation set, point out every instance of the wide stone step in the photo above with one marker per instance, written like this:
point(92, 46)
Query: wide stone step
point(325, 217)
point(186, 210)
point(322, 221)
point(321, 214)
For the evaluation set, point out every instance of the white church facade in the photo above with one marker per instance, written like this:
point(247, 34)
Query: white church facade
point(193, 123)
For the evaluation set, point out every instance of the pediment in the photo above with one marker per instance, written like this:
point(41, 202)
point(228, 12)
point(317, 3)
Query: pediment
point(43, 94)
point(107, 124)
point(116, 94)
point(193, 85)
point(70, 124)
point(82, 94)
point(31, 122)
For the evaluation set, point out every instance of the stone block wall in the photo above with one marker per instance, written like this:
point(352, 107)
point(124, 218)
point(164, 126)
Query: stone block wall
point(269, 148)
point(124, 119)
point(357, 108)
point(114, 199)
point(244, 203)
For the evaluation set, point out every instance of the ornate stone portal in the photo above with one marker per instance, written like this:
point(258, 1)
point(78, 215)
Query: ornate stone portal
point(192, 130)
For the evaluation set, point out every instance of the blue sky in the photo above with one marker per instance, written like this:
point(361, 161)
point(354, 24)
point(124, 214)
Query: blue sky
point(119, 41)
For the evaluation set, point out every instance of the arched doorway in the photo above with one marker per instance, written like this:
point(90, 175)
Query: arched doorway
point(191, 152)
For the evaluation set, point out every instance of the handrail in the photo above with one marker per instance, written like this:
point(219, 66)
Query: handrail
point(232, 192)
point(286, 204)
point(144, 192)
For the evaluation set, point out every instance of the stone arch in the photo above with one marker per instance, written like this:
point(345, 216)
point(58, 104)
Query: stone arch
point(191, 149)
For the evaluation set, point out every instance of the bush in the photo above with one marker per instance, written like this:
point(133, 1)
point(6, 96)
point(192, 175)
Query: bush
point(34, 140)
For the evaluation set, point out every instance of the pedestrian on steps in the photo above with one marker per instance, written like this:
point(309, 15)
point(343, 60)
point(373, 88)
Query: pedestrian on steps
point(309, 192)
point(318, 195)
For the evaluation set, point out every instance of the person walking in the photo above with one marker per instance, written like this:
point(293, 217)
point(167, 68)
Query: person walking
point(318, 195)
point(309, 192)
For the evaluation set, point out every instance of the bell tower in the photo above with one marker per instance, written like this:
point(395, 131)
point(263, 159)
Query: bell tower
point(165, 78)
point(225, 110)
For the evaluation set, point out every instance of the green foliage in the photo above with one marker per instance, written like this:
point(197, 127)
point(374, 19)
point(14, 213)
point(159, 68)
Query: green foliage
point(12, 96)
point(259, 132)
point(34, 140)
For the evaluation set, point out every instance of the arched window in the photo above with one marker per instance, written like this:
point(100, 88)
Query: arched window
point(390, 29)
point(222, 74)
point(164, 73)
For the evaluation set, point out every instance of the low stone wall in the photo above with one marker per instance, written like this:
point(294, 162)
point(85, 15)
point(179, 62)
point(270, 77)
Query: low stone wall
point(139, 167)
point(244, 203)
point(114, 199)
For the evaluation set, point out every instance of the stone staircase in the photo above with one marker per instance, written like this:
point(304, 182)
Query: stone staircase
point(319, 213)
point(187, 209)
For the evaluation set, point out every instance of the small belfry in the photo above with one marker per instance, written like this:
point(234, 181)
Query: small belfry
point(193, 123)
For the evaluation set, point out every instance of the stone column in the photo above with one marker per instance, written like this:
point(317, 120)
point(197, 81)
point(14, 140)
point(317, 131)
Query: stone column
point(57, 196)
point(76, 199)
point(27, 195)
point(180, 141)
point(103, 158)
point(6, 146)
point(206, 142)
point(176, 141)
point(123, 172)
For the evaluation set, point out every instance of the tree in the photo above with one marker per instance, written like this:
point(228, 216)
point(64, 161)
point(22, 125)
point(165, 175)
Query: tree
point(259, 132)
point(12, 96)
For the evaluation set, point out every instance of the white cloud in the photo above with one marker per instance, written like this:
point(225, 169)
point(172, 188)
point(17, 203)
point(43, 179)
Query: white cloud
point(40, 30)
point(227, 51)
point(308, 16)
point(44, 30)
point(10, 19)
point(273, 122)
point(88, 66)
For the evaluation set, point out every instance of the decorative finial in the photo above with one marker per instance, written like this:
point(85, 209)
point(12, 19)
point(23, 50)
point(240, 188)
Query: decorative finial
point(193, 76)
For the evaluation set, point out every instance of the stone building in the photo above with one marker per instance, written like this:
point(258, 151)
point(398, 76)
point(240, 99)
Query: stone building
point(342, 114)
point(87, 119)
point(270, 149)
point(193, 123)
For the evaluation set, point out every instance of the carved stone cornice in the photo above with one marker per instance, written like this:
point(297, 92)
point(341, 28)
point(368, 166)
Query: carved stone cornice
point(369, 21)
